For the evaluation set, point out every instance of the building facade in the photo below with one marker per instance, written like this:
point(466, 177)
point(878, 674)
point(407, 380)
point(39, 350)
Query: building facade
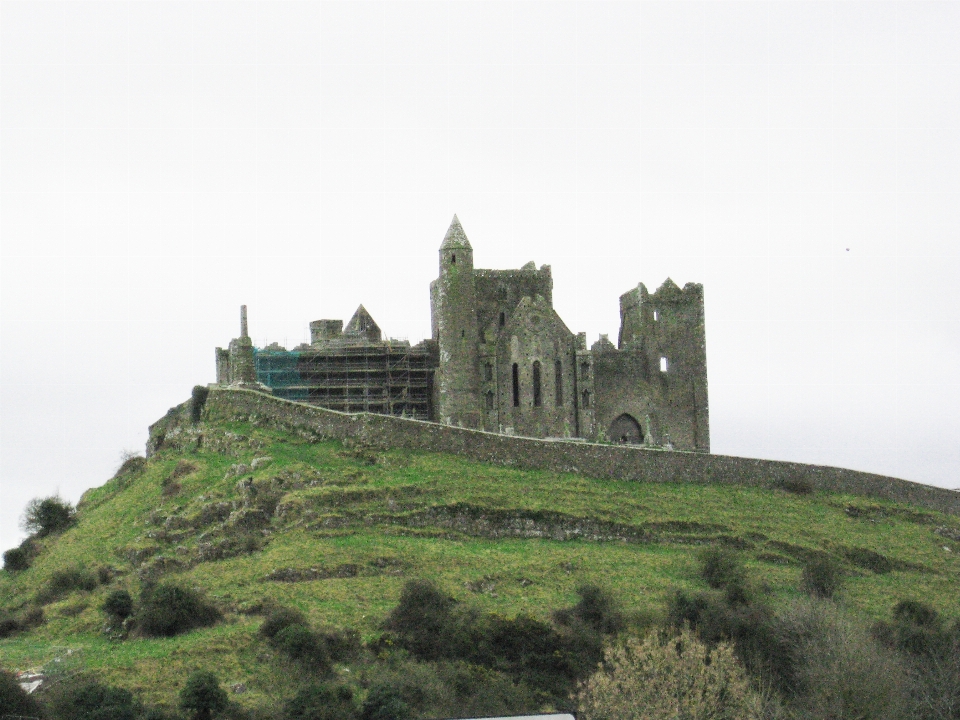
point(502, 360)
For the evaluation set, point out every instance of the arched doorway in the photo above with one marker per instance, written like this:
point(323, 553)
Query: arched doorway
point(625, 429)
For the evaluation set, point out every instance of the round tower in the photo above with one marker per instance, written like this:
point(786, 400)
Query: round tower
point(458, 397)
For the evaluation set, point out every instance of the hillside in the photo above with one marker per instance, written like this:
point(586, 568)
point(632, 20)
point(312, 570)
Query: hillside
point(257, 516)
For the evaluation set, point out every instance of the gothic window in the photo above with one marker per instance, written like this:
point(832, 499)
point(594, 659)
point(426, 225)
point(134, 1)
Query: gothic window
point(558, 383)
point(586, 399)
point(516, 385)
point(537, 395)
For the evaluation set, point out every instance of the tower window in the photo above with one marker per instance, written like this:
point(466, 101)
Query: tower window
point(463, 333)
point(488, 372)
point(558, 383)
point(489, 399)
point(516, 385)
point(656, 316)
point(586, 399)
point(663, 364)
point(537, 395)
point(503, 319)
point(453, 259)
point(584, 369)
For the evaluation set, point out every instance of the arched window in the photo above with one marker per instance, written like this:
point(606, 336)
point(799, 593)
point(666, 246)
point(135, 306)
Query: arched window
point(516, 385)
point(558, 383)
point(584, 368)
point(537, 395)
point(586, 399)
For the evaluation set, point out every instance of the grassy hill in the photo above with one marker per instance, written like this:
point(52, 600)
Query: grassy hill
point(257, 517)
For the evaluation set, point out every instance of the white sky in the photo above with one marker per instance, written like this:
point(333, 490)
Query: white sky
point(162, 163)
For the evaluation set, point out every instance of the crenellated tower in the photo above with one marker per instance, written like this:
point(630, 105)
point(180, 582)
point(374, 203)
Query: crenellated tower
point(454, 309)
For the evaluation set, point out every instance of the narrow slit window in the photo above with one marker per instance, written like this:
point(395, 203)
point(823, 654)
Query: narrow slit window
point(489, 399)
point(586, 399)
point(656, 316)
point(516, 385)
point(503, 319)
point(664, 364)
point(537, 395)
point(488, 372)
point(558, 383)
point(453, 259)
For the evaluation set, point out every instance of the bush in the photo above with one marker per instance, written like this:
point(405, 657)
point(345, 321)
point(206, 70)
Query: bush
point(677, 677)
point(821, 577)
point(93, 701)
point(130, 464)
point(722, 568)
point(63, 582)
point(384, 702)
point(596, 610)
point(422, 620)
point(118, 605)
point(300, 643)
point(202, 695)
point(16, 560)
point(279, 619)
point(840, 671)
point(869, 560)
point(167, 610)
point(321, 702)
point(14, 699)
point(47, 516)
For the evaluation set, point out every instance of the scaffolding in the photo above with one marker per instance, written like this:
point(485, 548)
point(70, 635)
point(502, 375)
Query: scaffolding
point(388, 378)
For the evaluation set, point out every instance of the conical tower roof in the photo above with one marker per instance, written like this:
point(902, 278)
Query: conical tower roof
point(455, 237)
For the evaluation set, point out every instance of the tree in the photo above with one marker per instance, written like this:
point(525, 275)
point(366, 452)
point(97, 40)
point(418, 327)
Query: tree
point(202, 695)
point(93, 701)
point(674, 678)
point(47, 516)
point(16, 560)
point(14, 699)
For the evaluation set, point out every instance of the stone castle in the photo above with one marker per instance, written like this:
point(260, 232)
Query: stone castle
point(502, 360)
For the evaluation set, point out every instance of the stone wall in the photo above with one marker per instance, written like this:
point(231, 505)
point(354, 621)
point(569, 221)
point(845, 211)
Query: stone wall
point(594, 460)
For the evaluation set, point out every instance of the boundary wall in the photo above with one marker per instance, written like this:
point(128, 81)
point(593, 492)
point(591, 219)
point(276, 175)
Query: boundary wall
point(617, 462)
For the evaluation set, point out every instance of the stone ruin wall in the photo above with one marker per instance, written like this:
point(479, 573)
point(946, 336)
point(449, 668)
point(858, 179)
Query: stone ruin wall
point(617, 462)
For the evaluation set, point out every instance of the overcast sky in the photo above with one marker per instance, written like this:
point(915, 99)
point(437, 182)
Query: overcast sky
point(163, 163)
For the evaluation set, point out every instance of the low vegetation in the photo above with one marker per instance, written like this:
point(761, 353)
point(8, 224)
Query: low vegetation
point(299, 578)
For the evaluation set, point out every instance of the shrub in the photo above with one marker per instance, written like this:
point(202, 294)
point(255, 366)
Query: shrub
point(321, 702)
point(422, 619)
point(9, 625)
point(47, 516)
point(279, 619)
point(722, 568)
point(118, 605)
point(14, 699)
point(198, 398)
point(596, 610)
point(16, 560)
point(677, 677)
point(93, 701)
point(131, 463)
point(202, 695)
point(384, 702)
point(300, 643)
point(63, 582)
point(821, 577)
point(840, 671)
point(167, 610)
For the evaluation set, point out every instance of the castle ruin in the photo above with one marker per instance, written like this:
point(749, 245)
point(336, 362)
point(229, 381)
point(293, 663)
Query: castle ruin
point(502, 360)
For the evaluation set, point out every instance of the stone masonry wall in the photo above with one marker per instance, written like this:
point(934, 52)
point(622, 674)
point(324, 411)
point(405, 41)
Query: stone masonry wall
point(602, 461)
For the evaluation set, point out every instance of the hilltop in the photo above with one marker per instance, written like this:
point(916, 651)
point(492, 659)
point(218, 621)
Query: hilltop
point(258, 515)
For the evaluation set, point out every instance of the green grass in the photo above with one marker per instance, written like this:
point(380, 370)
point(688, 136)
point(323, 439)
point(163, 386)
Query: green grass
point(357, 525)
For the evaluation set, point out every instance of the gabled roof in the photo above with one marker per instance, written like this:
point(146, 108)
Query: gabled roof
point(362, 324)
point(455, 237)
